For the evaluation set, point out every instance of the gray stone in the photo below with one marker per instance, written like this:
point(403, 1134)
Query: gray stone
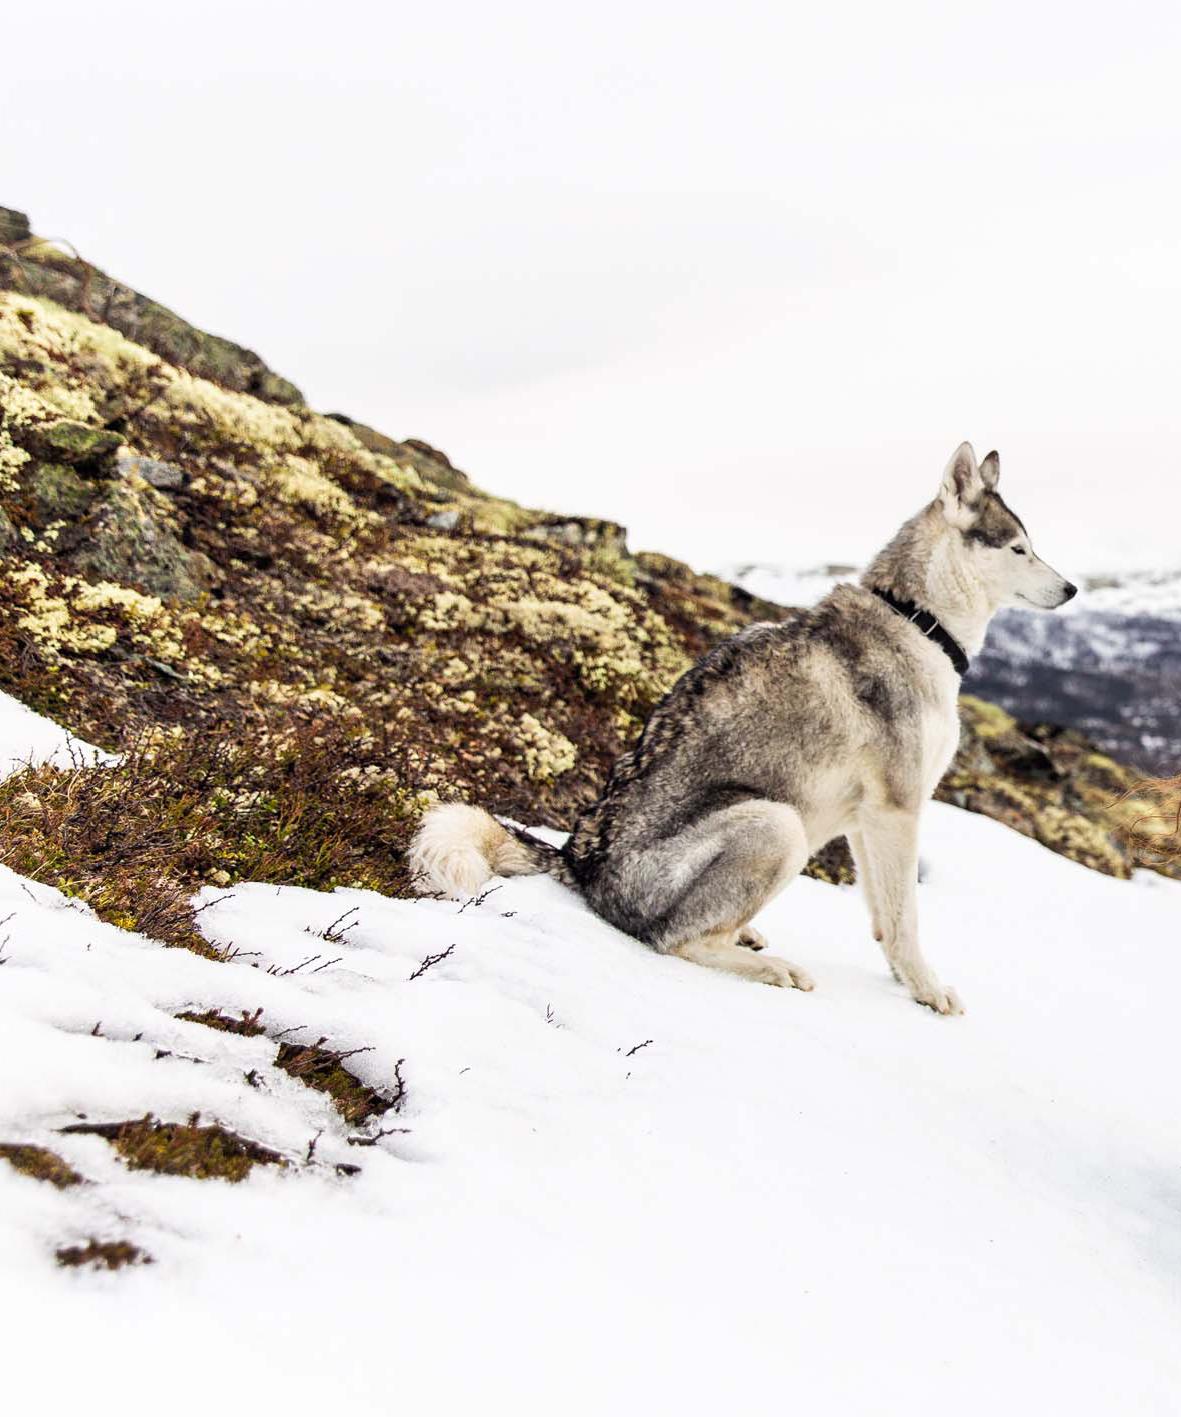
point(164, 476)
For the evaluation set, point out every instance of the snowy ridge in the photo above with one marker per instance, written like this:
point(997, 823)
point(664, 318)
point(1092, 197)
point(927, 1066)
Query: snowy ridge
point(609, 1153)
point(1150, 594)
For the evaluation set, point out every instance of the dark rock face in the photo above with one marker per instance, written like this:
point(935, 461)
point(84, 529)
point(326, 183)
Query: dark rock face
point(14, 227)
point(1114, 677)
point(126, 538)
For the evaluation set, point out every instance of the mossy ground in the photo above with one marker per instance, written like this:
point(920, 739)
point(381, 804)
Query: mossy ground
point(102, 1254)
point(181, 1148)
point(323, 1069)
point(40, 1163)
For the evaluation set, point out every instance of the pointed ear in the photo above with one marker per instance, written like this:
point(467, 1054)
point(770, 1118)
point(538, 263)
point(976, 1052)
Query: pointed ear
point(962, 487)
point(990, 470)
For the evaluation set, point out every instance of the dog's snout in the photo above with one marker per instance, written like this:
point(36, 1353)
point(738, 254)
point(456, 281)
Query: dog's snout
point(1069, 592)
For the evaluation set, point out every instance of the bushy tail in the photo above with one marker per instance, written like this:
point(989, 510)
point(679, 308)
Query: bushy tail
point(457, 849)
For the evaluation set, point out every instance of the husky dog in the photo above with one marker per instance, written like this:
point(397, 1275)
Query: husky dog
point(838, 720)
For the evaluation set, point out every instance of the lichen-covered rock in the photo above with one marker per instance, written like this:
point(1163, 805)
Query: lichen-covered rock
point(43, 269)
point(76, 444)
point(127, 537)
point(1048, 783)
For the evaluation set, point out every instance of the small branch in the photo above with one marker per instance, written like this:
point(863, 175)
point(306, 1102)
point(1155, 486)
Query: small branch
point(377, 1136)
point(430, 962)
point(335, 933)
point(477, 900)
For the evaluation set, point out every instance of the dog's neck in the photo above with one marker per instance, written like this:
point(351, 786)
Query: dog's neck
point(925, 563)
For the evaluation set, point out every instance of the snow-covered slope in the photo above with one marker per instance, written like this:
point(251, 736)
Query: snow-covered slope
point(1109, 663)
point(625, 1183)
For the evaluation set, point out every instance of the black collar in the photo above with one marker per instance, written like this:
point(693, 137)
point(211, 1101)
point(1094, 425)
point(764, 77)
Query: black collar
point(926, 622)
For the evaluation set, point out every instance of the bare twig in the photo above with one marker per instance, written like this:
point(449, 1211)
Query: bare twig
point(430, 962)
point(335, 933)
point(377, 1136)
point(477, 900)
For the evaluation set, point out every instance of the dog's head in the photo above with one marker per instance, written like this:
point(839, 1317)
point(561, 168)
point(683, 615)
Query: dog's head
point(995, 545)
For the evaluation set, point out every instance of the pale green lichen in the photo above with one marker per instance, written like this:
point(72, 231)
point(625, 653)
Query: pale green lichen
point(547, 753)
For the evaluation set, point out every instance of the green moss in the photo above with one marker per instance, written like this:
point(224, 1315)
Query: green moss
point(182, 1148)
point(40, 1163)
point(77, 444)
point(56, 492)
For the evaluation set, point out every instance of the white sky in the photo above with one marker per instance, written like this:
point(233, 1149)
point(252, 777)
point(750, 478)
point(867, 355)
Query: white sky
point(739, 275)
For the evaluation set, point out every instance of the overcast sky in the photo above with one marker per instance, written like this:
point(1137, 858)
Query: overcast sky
point(740, 276)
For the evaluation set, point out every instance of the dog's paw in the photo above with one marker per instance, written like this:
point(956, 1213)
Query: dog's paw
point(751, 939)
point(942, 1000)
point(782, 974)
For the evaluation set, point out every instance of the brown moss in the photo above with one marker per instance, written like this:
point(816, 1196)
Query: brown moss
point(181, 1148)
point(40, 1163)
point(323, 1069)
point(102, 1254)
point(248, 1025)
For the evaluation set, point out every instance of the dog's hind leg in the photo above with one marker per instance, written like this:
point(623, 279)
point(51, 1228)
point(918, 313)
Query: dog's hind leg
point(721, 952)
point(890, 843)
point(747, 854)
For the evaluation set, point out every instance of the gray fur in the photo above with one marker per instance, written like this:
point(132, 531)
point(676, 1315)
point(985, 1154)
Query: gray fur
point(839, 720)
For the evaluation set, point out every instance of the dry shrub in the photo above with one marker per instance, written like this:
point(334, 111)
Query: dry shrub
point(1155, 835)
point(304, 807)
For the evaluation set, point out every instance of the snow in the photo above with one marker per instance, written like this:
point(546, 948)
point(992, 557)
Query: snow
point(26, 736)
point(626, 1183)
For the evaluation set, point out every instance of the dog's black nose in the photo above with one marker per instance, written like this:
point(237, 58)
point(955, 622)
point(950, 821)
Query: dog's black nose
point(1071, 592)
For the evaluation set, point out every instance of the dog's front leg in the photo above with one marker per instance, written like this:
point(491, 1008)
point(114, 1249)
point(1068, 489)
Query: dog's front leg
point(864, 873)
point(890, 844)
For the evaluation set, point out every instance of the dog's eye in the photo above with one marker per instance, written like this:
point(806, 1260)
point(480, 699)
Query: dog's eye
point(1018, 550)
